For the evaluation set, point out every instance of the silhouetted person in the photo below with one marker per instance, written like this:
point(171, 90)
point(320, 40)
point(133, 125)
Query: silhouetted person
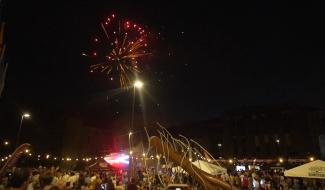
point(132, 185)
point(46, 181)
point(19, 179)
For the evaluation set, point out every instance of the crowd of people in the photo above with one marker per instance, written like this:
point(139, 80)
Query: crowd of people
point(55, 179)
point(270, 180)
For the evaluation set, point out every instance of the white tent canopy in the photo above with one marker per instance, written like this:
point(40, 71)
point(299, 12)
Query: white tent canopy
point(315, 169)
point(209, 168)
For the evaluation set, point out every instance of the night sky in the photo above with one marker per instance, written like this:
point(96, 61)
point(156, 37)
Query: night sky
point(207, 59)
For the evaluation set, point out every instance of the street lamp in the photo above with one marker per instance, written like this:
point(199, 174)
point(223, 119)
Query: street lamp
point(6, 143)
point(130, 146)
point(220, 149)
point(24, 115)
point(277, 145)
point(137, 84)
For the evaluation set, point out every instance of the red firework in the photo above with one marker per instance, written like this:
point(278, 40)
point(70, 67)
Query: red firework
point(118, 49)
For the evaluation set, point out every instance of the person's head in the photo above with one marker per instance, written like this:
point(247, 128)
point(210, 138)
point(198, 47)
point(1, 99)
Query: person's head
point(109, 181)
point(35, 172)
point(19, 178)
point(46, 179)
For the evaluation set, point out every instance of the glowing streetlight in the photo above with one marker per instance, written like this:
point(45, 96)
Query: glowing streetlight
point(6, 143)
point(130, 145)
point(281, 160)
point(311, 159)
point(230, 161)
point(130, 134)
point(277, 141)
point(138, 84)
point(24, 115)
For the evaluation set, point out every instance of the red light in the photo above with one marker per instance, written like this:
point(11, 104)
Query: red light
point(95, 54)
point(96, 39)
point(113, 15)
point(106, 23)
point(134, 25)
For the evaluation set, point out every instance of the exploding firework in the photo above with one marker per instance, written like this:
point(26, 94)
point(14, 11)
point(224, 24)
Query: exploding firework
point(118, 49)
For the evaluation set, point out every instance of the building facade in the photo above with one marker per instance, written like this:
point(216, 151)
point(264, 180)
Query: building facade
point(262, 132)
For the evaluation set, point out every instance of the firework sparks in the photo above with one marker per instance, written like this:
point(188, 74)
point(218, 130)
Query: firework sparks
point(118, 49)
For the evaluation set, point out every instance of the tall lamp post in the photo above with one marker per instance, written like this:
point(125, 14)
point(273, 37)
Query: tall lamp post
point(24, 115)
point(136, 85)
point(130, 145)
point(278, 146)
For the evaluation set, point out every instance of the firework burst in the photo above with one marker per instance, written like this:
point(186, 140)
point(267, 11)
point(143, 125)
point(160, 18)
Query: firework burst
point(118, 49)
